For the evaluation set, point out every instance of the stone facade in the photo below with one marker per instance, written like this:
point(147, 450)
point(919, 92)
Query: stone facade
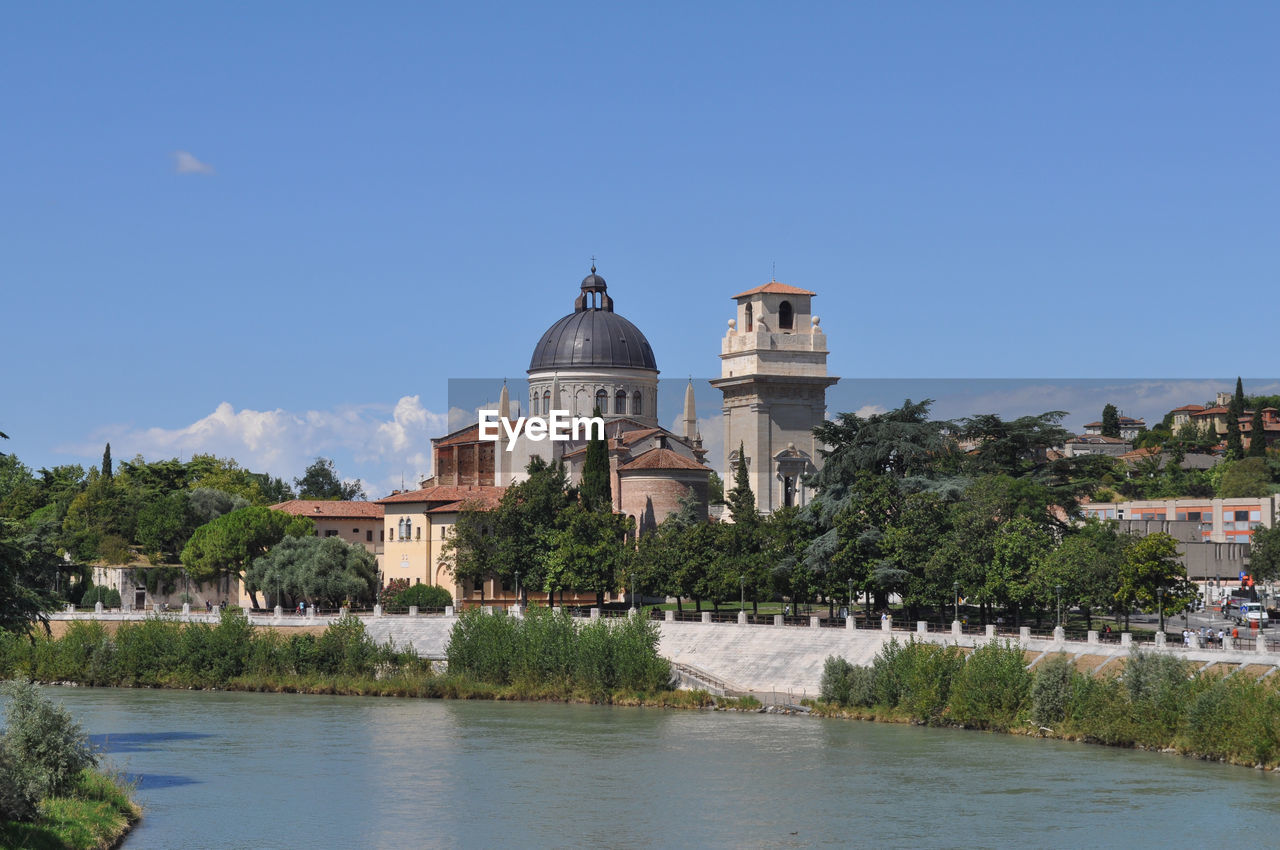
point(773, 378)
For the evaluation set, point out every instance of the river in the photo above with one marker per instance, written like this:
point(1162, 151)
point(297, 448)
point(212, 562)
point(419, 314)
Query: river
point(282, 771)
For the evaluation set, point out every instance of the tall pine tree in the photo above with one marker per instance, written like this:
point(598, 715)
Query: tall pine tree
point(106, 462)
point(742, 501)
point(597, 494)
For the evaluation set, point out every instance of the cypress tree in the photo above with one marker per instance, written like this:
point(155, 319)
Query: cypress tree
point(106, 462)
point(1235, 445)
point(1257, 437)
point(1110, 421)
point(597, 493)
point(742, 501)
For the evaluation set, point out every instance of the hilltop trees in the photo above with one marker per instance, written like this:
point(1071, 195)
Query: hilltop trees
point(321, 481)
point(1110, 421)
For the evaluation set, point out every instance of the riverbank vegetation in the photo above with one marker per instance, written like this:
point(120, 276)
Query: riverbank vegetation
point(543, 655)
point(52, 792)
point(1156, 702)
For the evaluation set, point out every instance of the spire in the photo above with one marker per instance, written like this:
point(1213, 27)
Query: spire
point(690, 413)
point(555, 393)
point(504, 402)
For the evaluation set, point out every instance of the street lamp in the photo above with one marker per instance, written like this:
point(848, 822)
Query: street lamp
point(850, 609)
point(955, 588)
point(517, 588)
point(1057, 588)
point(1160, 603)
point(742, 589)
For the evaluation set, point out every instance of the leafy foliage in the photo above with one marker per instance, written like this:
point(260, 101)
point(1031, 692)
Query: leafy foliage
point(320, 480)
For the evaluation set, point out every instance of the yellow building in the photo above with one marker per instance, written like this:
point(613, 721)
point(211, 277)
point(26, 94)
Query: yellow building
point(416, 525)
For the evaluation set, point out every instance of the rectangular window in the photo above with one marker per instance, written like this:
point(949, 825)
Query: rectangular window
point(418, 535)
point(1241, 516)
point(1255, 516)
point(1228, 526)
point(355, 531)
point(368, 536)
point(382, 536)
point(333, 532)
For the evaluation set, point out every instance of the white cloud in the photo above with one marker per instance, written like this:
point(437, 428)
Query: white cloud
point(376, 443)
point(186, 163)
point(870, 410)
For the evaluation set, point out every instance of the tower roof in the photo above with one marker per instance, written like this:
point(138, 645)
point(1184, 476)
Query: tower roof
point(775, 288)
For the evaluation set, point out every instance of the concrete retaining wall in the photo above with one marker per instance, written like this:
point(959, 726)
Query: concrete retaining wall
point(750, 658)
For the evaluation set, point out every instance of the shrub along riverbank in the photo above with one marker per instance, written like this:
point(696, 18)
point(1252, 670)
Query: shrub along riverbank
point(543, 655)
point(1156, 702)
point(52, 794)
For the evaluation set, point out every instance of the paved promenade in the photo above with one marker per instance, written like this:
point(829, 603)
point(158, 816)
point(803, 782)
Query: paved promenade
point(775, 659)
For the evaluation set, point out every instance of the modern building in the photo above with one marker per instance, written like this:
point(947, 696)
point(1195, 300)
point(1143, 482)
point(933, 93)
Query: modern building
point(773, 378)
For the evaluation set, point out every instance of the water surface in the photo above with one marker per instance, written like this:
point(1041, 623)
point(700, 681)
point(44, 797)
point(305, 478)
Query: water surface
point(283, 770)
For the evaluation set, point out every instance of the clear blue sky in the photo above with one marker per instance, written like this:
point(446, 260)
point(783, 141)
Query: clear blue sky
point(276, 230)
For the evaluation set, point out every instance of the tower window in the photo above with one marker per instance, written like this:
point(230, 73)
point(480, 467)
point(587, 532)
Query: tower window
point(785, 317)
point(637, 408)
point(750, 322)
point(602, 401)
point(620, 402)
point(546, 402)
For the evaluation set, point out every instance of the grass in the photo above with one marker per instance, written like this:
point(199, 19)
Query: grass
point(96, 816)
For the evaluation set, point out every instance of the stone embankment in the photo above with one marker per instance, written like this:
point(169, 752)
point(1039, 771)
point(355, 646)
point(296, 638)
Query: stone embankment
point(783, 662)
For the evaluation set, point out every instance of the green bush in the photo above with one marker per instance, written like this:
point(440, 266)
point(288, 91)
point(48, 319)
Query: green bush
point(108, 596)
point(424, 596)
point(547, 649)
point(1158, 687)
point(1051, 689)
point(992, 686)
point(345, 648)
point(42, 738)
point(833, 687)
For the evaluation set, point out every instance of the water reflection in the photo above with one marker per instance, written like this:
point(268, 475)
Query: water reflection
point(354, 772)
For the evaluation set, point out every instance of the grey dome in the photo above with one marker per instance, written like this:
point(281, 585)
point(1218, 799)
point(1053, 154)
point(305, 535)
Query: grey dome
point(592, 338)
point(593, 335)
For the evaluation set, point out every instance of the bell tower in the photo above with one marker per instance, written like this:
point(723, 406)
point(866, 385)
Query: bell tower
point(773, 376)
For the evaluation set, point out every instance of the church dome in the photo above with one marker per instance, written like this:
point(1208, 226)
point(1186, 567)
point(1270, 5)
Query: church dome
point(593, 336)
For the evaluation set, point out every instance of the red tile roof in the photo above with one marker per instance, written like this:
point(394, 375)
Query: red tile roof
point(1210, 411)
point(469, 434)
point(1192, 407)
point(446, 493)
point(485, 501)
point(1095, 439)
point(322, 509)
point(775, 288)
point(662, 459)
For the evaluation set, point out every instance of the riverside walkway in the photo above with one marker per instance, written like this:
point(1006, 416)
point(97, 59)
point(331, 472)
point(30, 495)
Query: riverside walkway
point(737, 658)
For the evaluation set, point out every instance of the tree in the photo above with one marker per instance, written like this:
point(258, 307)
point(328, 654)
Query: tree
point(1110, 421)
point(1264, 553)
point(107, 472)
point(1250, 477)
point(1235, 445)
point(1086, 565)
point(473, 545)
point(321, 481)
point(741, 501)
point(28, 565)
point(715, 489)
point(327, 571)
point(1257, 435)
point(1151, 577)
point(597, 494)
point(588, 552)
point(223, 549)
point(164, 526)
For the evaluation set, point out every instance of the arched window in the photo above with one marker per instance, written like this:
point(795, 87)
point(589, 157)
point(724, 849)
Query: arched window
point(784, 315)
point(636, 407)
point(602, 400)
point(620, 402)
point(750, 323)
point(546, 402)
point(533, 403)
